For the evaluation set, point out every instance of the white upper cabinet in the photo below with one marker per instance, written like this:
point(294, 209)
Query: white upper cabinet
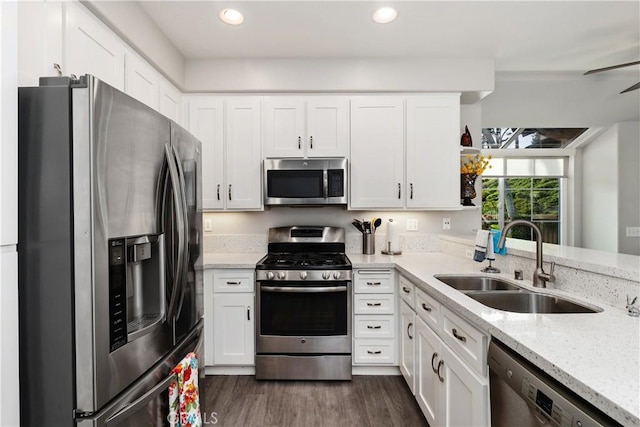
point(433, 154)
point(306, 127)
point(169, 101)
point(141, 80)
point(377, 152)
point(91, 49)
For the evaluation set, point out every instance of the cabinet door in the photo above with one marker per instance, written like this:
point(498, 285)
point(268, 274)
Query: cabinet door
point(407, 347)
point(327, 126)
point(92, 49)
point(208, 317)
point(377, 152)
point(284, 127)
point(206, 122)
point(243, 166)
point(233, 329)
point(462, 389)
point(433, 151)
point(141, 81)
point(428, 386)
point(169, 101)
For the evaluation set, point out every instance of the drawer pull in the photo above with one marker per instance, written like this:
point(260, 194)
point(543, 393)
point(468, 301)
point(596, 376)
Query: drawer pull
point(438, 372)
point(374, 352)
point(234, 283)
point(374, 283)
point(374, 304)
point(460, 337)
point(409, 331)
point(406, 290)
point(374, 327)
point(425, 308)
point(433, 359)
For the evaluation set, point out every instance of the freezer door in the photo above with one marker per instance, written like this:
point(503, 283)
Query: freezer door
point(117, 150)
point(146, 403)
point(187, 151)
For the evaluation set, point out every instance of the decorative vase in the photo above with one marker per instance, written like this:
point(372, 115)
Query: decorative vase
point(467, 188)
point(465, 139)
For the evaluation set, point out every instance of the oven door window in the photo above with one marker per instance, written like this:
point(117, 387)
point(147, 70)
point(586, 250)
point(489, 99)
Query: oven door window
point(295, 184)
point(290, 313)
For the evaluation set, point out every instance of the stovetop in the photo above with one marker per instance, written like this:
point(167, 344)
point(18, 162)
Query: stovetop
point(305, 261)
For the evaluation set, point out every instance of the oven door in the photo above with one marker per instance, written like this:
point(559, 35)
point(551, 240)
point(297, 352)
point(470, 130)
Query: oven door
point(303, 317)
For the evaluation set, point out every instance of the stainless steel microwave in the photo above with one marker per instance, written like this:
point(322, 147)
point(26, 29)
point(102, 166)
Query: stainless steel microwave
point(305, 181)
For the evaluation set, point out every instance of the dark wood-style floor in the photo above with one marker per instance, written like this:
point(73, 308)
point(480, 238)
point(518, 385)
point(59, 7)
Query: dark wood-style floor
point(364, 401)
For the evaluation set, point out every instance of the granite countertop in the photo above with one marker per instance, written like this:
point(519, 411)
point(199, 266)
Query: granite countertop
point(596, 355)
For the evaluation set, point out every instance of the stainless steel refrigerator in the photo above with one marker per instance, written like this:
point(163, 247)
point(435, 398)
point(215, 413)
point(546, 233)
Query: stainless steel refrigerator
point(110, 255)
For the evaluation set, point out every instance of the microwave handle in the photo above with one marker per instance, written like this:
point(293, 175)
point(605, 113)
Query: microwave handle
point(325, 183)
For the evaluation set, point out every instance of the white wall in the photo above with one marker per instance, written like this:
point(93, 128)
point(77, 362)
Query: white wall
point(9, 362)
point(600, 192)
point(628, 186)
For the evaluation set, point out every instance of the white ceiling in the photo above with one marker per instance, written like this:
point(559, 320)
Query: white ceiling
point(520, 36)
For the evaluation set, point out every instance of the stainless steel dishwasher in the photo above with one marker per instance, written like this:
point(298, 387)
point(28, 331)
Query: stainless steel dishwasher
point(522, 395)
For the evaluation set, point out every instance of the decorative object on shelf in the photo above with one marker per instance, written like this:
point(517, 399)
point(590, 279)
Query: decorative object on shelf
point(470, 168)
point(465, 139)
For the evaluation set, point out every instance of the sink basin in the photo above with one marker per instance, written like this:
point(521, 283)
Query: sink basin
point(477, 283)
point(528, 302)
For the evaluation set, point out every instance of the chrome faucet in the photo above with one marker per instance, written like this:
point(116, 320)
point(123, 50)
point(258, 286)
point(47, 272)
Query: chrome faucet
point(540, 277)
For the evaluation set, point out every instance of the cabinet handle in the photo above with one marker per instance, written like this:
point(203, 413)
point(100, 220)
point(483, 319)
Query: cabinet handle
point(409, 330)
point(374, 327)
point(460, 337)
point(218, 192)
point(299, 141)
point(229, 192)
point(311, 142)
point(438, 372)
point(374, 283)
point(374, 352)
point(248, 313)
point(433, 358)
point(411, 186)
point(399, 189)
point(233, 283)
point(374, 304)
point(425, 308)
point(406, 290)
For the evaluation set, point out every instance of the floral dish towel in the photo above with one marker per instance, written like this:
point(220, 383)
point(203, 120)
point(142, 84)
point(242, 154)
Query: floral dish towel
point(184, 399)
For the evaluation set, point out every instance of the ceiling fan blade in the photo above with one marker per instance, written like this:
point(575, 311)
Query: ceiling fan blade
point(634, 87)
point(613, 67)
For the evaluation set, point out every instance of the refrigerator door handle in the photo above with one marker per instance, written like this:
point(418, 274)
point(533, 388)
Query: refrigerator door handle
point(141, 402)
point(177, 199)
point(185, 228)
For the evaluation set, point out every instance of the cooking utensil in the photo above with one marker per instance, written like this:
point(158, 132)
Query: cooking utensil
point(376, 223)
point(358, 224)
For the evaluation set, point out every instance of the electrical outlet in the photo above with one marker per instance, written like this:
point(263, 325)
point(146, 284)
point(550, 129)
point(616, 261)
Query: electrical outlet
point(412, 225)
point(633, 231)
point(207, 225)
point(468, 253)
point(446, 223)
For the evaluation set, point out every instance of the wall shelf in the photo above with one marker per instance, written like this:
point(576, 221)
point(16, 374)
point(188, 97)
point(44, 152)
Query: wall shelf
point(469, 150)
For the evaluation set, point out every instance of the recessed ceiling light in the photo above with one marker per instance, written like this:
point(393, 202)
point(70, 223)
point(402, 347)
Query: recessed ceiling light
point(385, 15)
point(232, 17)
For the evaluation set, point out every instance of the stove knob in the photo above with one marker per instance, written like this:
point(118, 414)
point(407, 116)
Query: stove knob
point(282, 275)
point(303, 275)
point(270, 275)
point(326, 275)
point(337, 275)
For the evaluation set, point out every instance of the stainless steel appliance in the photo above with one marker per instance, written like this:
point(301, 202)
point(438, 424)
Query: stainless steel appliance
point(303, 328)
point(110, 277)
point(523, 395)
point(305, 181)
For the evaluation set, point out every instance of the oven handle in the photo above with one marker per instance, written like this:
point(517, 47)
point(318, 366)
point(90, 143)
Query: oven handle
point(300, 290)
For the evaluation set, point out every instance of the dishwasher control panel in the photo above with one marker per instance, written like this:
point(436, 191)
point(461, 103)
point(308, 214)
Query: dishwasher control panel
point(545, 404)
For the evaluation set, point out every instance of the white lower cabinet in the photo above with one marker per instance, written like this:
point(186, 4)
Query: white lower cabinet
point(450, 387)
point(229, 317)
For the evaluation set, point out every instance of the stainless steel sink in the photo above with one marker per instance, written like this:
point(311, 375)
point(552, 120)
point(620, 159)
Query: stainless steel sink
point(528, 302)
point(477, 283)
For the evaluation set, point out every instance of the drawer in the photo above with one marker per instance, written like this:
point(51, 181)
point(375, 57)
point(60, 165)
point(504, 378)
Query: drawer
point(428, 309)
point(407, 291)
point(374, 303)
point(378, 281)
point(374, 352)
point(382, 326)
point(467, 341)
point(233, 280)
